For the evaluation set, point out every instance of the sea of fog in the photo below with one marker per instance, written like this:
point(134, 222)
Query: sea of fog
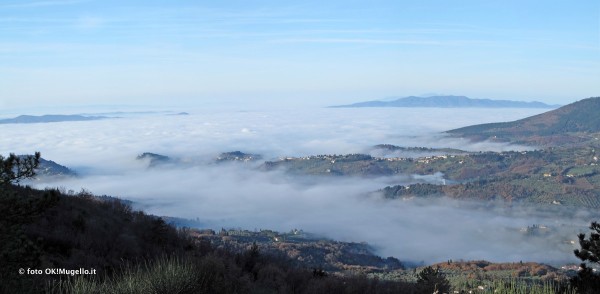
point(103, 152)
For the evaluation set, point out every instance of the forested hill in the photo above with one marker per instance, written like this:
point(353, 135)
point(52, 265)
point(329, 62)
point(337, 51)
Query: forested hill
point(572, 123)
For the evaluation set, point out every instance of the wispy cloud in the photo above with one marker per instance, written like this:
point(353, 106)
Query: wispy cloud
point(390, 41)
point(33, 4)
point(359, 41)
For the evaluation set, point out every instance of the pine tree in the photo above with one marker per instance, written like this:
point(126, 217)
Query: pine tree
point(586, 280)
point(432, 279)
point(15, 168)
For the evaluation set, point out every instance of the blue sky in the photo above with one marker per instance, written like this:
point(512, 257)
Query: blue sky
point(294, 53)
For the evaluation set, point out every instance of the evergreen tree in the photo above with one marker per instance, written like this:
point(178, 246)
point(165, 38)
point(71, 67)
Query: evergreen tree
point(432, 279)
point(586, 280)
point(15, 168)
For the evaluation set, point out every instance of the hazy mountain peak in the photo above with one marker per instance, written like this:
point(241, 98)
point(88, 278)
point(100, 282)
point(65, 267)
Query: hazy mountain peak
point(447, 101)
point(29, 119)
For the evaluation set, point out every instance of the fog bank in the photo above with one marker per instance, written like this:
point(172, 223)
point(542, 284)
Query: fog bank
point(237, 195)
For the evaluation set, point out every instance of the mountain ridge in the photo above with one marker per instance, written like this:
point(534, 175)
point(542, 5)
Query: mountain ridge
point(447, 101)
point(571, 123)
point(48, 118)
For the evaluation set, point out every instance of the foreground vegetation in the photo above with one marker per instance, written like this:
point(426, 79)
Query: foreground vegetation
point(138, 253)
point(134, 253)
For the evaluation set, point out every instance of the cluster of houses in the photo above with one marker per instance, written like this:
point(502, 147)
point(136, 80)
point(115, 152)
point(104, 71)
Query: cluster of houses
point(534, 229)
point(428, 159)
point(238, 156)
point(329, 157)
point(261, 234)
point(333, 158)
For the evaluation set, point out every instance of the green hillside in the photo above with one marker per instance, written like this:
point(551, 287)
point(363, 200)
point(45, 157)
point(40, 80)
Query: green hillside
point(570, 124)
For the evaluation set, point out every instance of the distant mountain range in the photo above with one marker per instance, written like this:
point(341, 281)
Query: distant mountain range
point(31, 119)
point(573, 123)
point(447, 102)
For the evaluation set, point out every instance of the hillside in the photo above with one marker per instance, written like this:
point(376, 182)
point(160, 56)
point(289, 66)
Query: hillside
point(49, 168)
point(558, 176)
point(53, 229)
point(303, 249)
point(448, 102)
point(155, 159)
point(126, 251)
point(571, 124)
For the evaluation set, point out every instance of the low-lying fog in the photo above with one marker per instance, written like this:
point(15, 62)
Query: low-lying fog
point(236, 195)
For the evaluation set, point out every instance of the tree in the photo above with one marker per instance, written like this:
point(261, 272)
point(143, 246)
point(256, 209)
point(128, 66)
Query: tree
point(433, 280)
point(15, 168)
point(586, 280)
